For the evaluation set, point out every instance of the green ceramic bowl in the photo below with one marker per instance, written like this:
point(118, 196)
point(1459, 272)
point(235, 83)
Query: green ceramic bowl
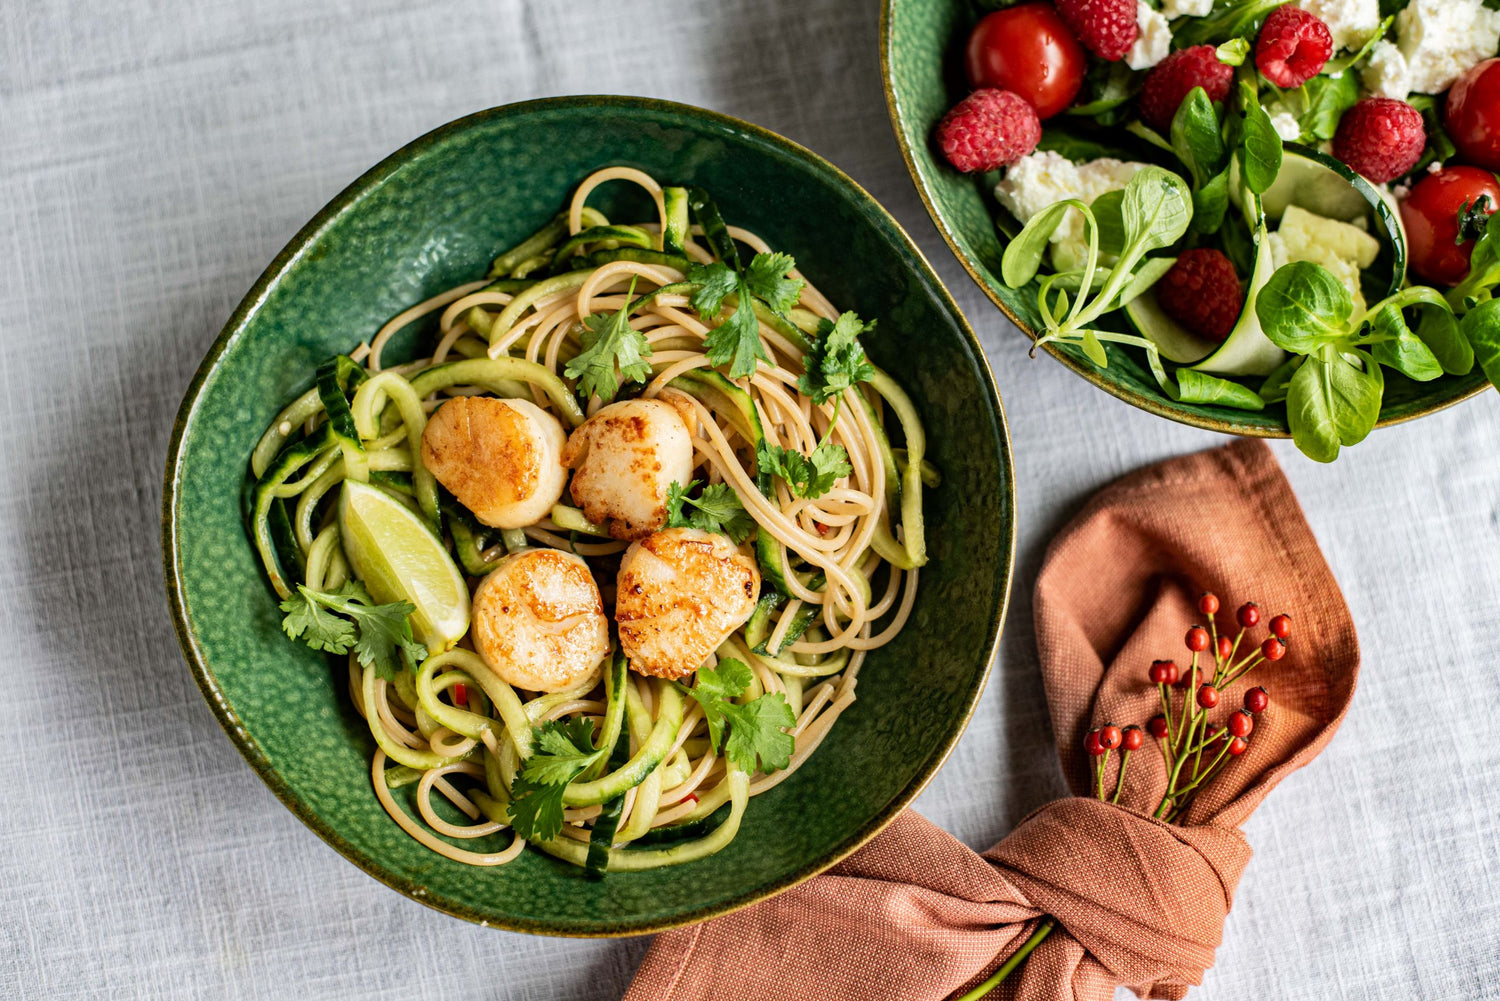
point(431, 216)
point(921, 55)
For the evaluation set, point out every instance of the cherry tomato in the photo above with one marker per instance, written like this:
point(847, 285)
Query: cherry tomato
point(1431, 215)
point(1027, 49)
point(1472, 116)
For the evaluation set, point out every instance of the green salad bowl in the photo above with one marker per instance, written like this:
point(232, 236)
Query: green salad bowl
point(433, 215)
point(921, 57)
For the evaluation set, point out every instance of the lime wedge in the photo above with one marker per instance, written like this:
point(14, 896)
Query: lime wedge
point(399, 558)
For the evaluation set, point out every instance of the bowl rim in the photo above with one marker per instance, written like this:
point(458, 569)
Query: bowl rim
point(250, 304)
point(1088, 371)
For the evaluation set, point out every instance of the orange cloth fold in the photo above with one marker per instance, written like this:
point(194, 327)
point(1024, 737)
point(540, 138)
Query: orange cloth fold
point(917, 915)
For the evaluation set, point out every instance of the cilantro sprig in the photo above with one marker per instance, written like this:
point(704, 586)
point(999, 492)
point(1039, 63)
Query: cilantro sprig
point(736, 341)
point(610, 344)
point(807, 476)
point(757, 740)
point(561, 752)
point(717, 509)
point(836, 360)
point(349, 618)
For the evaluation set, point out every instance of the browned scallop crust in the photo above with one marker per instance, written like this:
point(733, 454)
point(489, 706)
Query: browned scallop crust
point(624, 489)
point(680, 593)
point(539, 622)
point(482, 450)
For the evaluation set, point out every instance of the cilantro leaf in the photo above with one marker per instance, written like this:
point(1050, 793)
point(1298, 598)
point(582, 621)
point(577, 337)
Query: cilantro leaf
point(767, 280)
point(736, 341)
point(757, 741)
point(378, 634)
point(806, 476)
point(719, 684)
point(562, 752)
point(756, 738)
point(319, 628)
point(718, 281)
point(609, 342)
point(717, 509)
point(837, 360)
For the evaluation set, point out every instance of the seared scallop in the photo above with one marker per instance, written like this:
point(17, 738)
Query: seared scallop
point(680, 593)
point(502, 459)
point(624, 458)
point(538, 620)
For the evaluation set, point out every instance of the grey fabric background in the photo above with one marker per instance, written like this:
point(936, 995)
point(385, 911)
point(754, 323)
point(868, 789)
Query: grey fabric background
point(155, 154)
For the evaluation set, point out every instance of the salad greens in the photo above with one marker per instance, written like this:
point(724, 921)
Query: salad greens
point(1218, 156)
point(1333, 384)
point(1152, 212)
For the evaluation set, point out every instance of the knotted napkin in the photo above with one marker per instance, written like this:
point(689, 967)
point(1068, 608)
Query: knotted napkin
point(915, 914)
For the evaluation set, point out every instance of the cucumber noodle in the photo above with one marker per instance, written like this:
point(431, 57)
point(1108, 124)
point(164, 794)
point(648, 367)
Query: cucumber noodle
point(847, 560)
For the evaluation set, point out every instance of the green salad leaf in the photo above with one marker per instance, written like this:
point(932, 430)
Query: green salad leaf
point(1260, 149)
point(1481, 326)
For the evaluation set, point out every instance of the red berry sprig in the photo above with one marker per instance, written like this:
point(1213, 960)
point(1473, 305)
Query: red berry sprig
point(1194, 749)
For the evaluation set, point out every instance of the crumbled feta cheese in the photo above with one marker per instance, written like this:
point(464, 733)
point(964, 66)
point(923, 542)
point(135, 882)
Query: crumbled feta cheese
point(1045, 177)
point(1386, 74)
point(1340, 247)
point(1154, 40)
point(1441, 39)
point(1174, 9)
point(1351, 22)
point(1286, 125)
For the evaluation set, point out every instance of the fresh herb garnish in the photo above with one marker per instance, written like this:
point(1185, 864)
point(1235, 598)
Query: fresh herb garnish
point(561, 752)
point(717, 509)
point(805, 475)
point(836, 360)
point(610, 343)
point(757, 738)
point(736, 341)
point(348, 618)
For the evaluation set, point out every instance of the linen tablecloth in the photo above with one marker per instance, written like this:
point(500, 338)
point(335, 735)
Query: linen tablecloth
point(154, 156)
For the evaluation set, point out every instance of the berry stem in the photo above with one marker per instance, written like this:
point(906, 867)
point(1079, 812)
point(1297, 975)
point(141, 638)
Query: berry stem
point(1223, 754)
point(1018, 957)
point(1166, 710)
point(1120, 779)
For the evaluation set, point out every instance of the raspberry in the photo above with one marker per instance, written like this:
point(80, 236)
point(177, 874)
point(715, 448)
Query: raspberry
point(1380, 137)
point(1202, 293)
point(1292, 47)
point(988, 129)
point(1107, 27)
point(1171, 79)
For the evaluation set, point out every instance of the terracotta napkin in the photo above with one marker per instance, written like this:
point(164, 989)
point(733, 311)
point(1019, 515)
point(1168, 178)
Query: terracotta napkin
point(915, 914)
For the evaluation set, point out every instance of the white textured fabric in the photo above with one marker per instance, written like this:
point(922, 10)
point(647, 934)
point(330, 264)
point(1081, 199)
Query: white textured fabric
point(155, 155)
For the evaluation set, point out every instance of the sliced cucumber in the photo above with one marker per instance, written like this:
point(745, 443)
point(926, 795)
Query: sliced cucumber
point(1325, 185)
point(1247, 350)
